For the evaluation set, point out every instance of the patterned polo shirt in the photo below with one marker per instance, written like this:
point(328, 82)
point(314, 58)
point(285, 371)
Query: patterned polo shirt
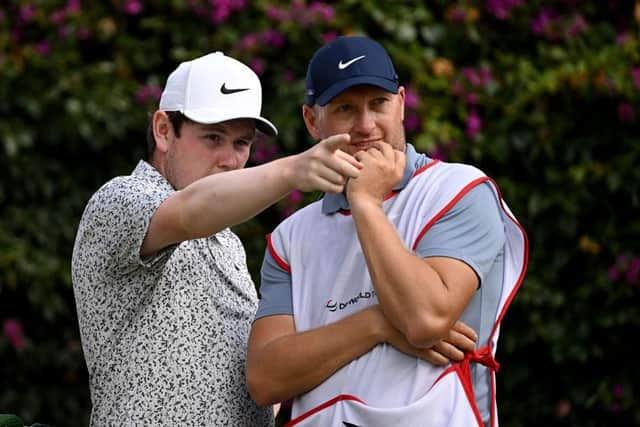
point(164, 337)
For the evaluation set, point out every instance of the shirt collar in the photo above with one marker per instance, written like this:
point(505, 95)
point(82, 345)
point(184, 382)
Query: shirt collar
point(146, 171)
point(333, 202)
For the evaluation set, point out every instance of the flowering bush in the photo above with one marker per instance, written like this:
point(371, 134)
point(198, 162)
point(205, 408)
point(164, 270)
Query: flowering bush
point(543, 95)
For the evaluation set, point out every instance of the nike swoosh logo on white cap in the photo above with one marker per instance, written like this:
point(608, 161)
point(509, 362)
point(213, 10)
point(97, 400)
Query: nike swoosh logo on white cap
point(344, 65)
point(228, 91)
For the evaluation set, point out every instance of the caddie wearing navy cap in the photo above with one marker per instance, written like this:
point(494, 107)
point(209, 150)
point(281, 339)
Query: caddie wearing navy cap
point(381, 306)
point(164, 297)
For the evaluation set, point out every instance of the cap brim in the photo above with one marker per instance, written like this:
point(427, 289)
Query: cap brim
point(265, 126)
point(207, 118)
point(339, 87)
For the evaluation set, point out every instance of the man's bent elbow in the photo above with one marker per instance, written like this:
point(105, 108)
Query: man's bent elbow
point(425, 331)
point(260, 390)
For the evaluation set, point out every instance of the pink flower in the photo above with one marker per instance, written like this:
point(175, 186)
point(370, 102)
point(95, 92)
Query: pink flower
point(287, 211)
point(618, 391)
point(237, 4)
point(485, 76)
point(277, 14)
point(412, 122)
point(220, 14)
point(291, 203)
point(295, 197)
point(300, 14)
point(323, 10)
point(223, 8)
point(411, 99)
point(84, 33)
point(578, 26)
point(263, 151)
point(249, 41)
point(627, 265)
point(57, 16)
point(457, 14)
point(501, 9)
point(474, 124)
point(329, 37)
point(73, 6)
point(27, 12)
point(633, 272)
point(273, 38)
point(542, 24)
point(43, 48)
point(288, 76)
point(626, 112)
point(635, 75)
point(437, 153)
point(473, 76)
point(132, 7)
point(622, 38)
point(13, 331)
point(478, 77)
point(258, 66)
point(613, 273)
point(148, 93)
point(456, 88)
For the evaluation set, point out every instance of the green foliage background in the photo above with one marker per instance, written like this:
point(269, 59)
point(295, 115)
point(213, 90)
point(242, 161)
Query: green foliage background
point(544, 96)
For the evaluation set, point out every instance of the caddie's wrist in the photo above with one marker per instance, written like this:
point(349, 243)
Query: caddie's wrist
point(377, 324)
point(359, 201)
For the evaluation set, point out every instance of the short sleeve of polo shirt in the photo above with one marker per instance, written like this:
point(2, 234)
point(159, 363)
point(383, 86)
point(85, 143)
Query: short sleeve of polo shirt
point(471, 231)
point(119, 215)
point(275, 289)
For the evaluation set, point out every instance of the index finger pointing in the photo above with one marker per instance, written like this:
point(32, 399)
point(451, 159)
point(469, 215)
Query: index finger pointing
point(333, 142)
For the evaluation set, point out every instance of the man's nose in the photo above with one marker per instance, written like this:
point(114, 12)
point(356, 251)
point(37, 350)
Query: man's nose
point(228, 158)
point(365, 122)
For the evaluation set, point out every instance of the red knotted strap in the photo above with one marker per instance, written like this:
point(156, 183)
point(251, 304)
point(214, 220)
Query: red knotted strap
point(483, 356)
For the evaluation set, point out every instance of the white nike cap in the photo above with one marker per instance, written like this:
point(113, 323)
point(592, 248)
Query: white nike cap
point(215, 88)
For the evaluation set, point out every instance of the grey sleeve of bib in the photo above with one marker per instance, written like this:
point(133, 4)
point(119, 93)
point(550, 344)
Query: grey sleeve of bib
point(471, 231)
point(275, 289)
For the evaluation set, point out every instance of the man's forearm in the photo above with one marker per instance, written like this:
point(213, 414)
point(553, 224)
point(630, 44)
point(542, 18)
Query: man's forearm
point(293, 363)
point(217, 201)
point(411, 293)
point(225, 199)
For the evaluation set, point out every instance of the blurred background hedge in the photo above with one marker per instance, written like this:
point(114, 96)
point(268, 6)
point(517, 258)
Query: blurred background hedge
point(542, 95)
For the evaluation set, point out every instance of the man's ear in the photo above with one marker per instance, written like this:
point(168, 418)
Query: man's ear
point(401, 94)
point(162, 130)
point(310, 116)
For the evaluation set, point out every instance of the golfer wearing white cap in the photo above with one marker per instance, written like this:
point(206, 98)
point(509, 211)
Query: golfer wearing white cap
point(164, 297)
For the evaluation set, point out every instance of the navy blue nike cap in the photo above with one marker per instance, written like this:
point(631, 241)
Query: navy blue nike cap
point(345, 62)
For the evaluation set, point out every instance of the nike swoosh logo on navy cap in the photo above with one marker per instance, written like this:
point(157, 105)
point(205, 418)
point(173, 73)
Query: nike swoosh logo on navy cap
point(344, 65)
point(226, 91)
